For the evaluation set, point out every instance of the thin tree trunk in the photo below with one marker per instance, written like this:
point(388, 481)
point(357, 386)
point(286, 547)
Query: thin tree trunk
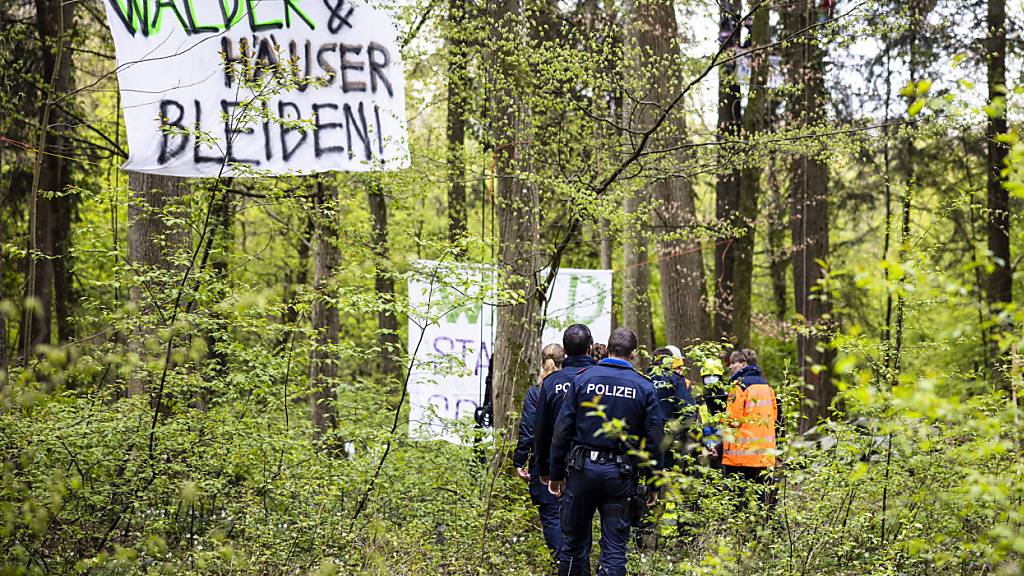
point(754, 121)
point(223, 215)
point(917, 17)
point(53, 20)
point(297, 277)
point(887, 238)
point(384, 284)
point(323, 366)
point(517, 330)
point(155, 242)
point(5, 358)
point(1000, 281)
point(778, 260)
point(727, 187)
point(606, 259)
point(456, 121)
point(36, 323)
point(64, 294)
point(810, 222)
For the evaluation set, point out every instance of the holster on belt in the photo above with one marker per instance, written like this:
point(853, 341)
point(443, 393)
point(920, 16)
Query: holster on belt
point(576, 458)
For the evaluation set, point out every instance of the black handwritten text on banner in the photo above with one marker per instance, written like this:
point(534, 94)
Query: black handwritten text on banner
point(225, 87)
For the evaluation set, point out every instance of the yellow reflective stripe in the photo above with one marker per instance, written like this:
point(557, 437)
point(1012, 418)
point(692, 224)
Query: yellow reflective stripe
point(746, 452)
point(752, 439)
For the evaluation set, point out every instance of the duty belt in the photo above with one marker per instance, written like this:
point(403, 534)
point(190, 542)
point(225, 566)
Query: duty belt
point(603, 456)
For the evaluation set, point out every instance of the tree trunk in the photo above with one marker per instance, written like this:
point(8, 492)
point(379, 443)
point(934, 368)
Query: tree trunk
point(754, 120)
point(607, 245)
point(810, 222)
point(680, 260)
point(223, 215)
point(727, 188)
point(918, 12)
point(1000, 281)
point(606, 261)
point(323, 365)
point(517, 332)
point(384, 284)
point(4, 351)
point(778, 260)
point(53, 20)
point(297, 277)
point(456, 121)
point(64, 296)
point(38, 317)
point(154, 241)
point(636, 278)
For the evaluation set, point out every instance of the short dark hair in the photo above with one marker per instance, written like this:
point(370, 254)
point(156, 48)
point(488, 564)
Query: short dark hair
point(751, 356)
point(621, 343)
point(577, 340)
point(599, 352)
point(738, 356)
point(661, 352)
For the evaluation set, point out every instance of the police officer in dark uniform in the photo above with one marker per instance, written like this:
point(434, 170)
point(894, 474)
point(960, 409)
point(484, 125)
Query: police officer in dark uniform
point(577, 341)
point(525, 460)
point(593, 471)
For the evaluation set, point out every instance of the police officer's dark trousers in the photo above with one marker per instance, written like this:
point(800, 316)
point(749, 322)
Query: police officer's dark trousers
point(547, 504)
point(601, 487)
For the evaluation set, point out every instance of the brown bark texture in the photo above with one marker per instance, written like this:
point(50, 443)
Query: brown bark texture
point(1000, 281)
point(49, 270)
point(778, 259)
point(516, 354)
point(384, 285)
point(727, 187)
point(809, 220)
point(456, 120)
point(653, 81)
point(754, 123)
point(326, 323)
point(156, 249)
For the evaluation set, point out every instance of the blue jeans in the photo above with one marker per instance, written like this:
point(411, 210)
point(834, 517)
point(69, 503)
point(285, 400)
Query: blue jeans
point(602, 488)
point(547, 505)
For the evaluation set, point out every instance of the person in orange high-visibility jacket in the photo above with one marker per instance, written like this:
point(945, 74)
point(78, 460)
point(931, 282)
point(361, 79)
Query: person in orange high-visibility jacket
point(752, 409)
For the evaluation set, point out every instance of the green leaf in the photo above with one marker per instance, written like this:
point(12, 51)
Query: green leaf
point(916, 107)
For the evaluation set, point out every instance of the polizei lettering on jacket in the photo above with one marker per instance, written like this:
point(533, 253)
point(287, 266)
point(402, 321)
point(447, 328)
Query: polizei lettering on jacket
point(611, 390)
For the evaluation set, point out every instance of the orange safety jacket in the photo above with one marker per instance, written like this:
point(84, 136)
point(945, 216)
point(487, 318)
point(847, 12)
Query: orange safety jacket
point(753, 405)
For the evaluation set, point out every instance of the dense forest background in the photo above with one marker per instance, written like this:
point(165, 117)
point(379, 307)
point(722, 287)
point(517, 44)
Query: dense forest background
point(208, 376)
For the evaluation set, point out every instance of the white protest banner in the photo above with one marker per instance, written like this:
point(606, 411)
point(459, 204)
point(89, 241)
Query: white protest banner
point(451, 356)
point(579, 297)
point(237, 87)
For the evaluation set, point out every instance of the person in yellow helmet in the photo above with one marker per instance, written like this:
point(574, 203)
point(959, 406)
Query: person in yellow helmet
point(714, 393)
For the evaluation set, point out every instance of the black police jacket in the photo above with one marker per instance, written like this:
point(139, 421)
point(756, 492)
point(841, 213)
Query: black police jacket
point(549, 402)
point(627, 396)
point(674, 395)
point(523, 453)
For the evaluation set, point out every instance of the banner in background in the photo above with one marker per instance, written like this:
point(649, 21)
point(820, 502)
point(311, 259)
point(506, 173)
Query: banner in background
point(232, 87)
point(451, 355)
